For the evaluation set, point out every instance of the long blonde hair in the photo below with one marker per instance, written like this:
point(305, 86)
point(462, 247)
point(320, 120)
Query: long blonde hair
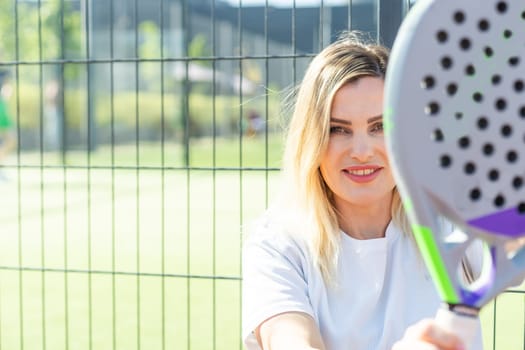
point(344, 61)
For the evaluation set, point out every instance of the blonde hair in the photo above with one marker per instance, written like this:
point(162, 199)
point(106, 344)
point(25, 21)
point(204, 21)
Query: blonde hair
point(346, 60)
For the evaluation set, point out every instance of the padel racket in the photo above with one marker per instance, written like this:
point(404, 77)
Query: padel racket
point(455, 128)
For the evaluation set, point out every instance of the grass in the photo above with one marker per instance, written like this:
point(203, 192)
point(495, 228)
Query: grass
point(138, 252)
point(128, 257)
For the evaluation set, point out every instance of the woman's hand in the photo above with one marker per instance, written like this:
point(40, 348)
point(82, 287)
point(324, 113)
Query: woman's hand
point(427, 335)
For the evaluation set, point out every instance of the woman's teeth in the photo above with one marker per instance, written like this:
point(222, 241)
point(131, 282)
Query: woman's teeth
point(361, 172)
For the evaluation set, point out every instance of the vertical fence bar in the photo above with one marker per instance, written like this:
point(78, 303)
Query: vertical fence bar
point(63, 149)
point(162, 177)
point(349, 15)
point(214, 172)
point(136, 23)
point(61, 104)
point(186, 25)
point(41, 178)
point(266, 102)
point(19, 178)
point(321, 26)
point(89, 149)
point(241, 132)
point(185, 117)
point(113, 178)
point(494, 303)
point(294, 43)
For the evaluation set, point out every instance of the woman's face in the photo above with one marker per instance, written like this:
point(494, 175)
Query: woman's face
point(355, 166)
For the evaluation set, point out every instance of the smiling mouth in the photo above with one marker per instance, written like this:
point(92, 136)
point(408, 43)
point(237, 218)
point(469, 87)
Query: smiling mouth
point(361, 172)
point(362, 175)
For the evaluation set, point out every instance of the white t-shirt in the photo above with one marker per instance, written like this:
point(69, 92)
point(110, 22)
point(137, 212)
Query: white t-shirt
point(383, 288)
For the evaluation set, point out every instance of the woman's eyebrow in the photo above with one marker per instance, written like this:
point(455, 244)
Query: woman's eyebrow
point(340, 121)
point(374, 119)
point(347, 122)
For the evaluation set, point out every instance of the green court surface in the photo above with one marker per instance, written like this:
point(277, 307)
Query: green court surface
point(103, 254)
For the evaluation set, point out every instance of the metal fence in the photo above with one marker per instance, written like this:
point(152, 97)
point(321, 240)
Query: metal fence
point(149, 132)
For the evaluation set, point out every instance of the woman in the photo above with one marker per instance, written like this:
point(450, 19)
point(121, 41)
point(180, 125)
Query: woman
point(332, 264)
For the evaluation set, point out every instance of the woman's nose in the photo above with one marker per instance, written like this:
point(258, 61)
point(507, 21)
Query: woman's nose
point(361, 149)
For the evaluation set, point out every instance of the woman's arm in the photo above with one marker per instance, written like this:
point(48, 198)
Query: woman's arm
point(289, 331)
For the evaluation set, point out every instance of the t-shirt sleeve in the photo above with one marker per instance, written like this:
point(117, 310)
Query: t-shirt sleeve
point(273, 282)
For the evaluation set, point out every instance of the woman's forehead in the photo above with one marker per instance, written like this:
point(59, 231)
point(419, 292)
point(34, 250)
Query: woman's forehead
point(361, 99)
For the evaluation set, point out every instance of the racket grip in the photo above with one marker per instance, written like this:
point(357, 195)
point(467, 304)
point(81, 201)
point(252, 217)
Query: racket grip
point(464, 323)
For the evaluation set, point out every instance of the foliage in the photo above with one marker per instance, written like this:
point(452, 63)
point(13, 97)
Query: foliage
point(209, 114)
point(53, 30)
point(198, 47)
point(27, 106)
point(150, 45)
point(47, 30)
point(149, 48)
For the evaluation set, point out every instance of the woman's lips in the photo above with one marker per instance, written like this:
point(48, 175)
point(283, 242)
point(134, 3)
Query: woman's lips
point(362, 174)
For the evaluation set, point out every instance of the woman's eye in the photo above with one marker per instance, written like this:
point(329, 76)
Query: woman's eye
point(338, 130)
point(377, 127)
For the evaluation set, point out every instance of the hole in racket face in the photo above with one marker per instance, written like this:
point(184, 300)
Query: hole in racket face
point(477, 97)
point(483, 25)
point(518, 85)
point(500, 104)
point(447, 63)
point(512, 156)
point(501, 7)
point(452, 88)
point(428, 82)
point(496, 79)
point(442, 36)
point(470, 70)
point(465, 44)
point(459, 17)
point(470, 168)
point(483, 123)
point(513, 61)
point(517, 183)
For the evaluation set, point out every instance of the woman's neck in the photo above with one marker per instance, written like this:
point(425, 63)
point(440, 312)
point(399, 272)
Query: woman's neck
point(364, 222)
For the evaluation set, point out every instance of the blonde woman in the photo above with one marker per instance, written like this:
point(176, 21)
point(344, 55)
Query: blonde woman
point(331, 265)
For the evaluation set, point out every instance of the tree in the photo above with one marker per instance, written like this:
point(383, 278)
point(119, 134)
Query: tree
point(31, 32)
point(198, 47)
point(149, 48)
point(47, 30)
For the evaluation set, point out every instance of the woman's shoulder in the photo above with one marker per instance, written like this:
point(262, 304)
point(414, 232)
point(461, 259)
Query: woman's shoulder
point(272, 232)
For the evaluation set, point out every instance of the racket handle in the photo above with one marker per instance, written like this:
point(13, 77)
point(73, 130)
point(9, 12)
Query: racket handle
point(464, 323)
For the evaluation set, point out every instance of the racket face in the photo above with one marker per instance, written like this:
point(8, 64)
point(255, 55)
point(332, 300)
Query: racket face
point(455, 111)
